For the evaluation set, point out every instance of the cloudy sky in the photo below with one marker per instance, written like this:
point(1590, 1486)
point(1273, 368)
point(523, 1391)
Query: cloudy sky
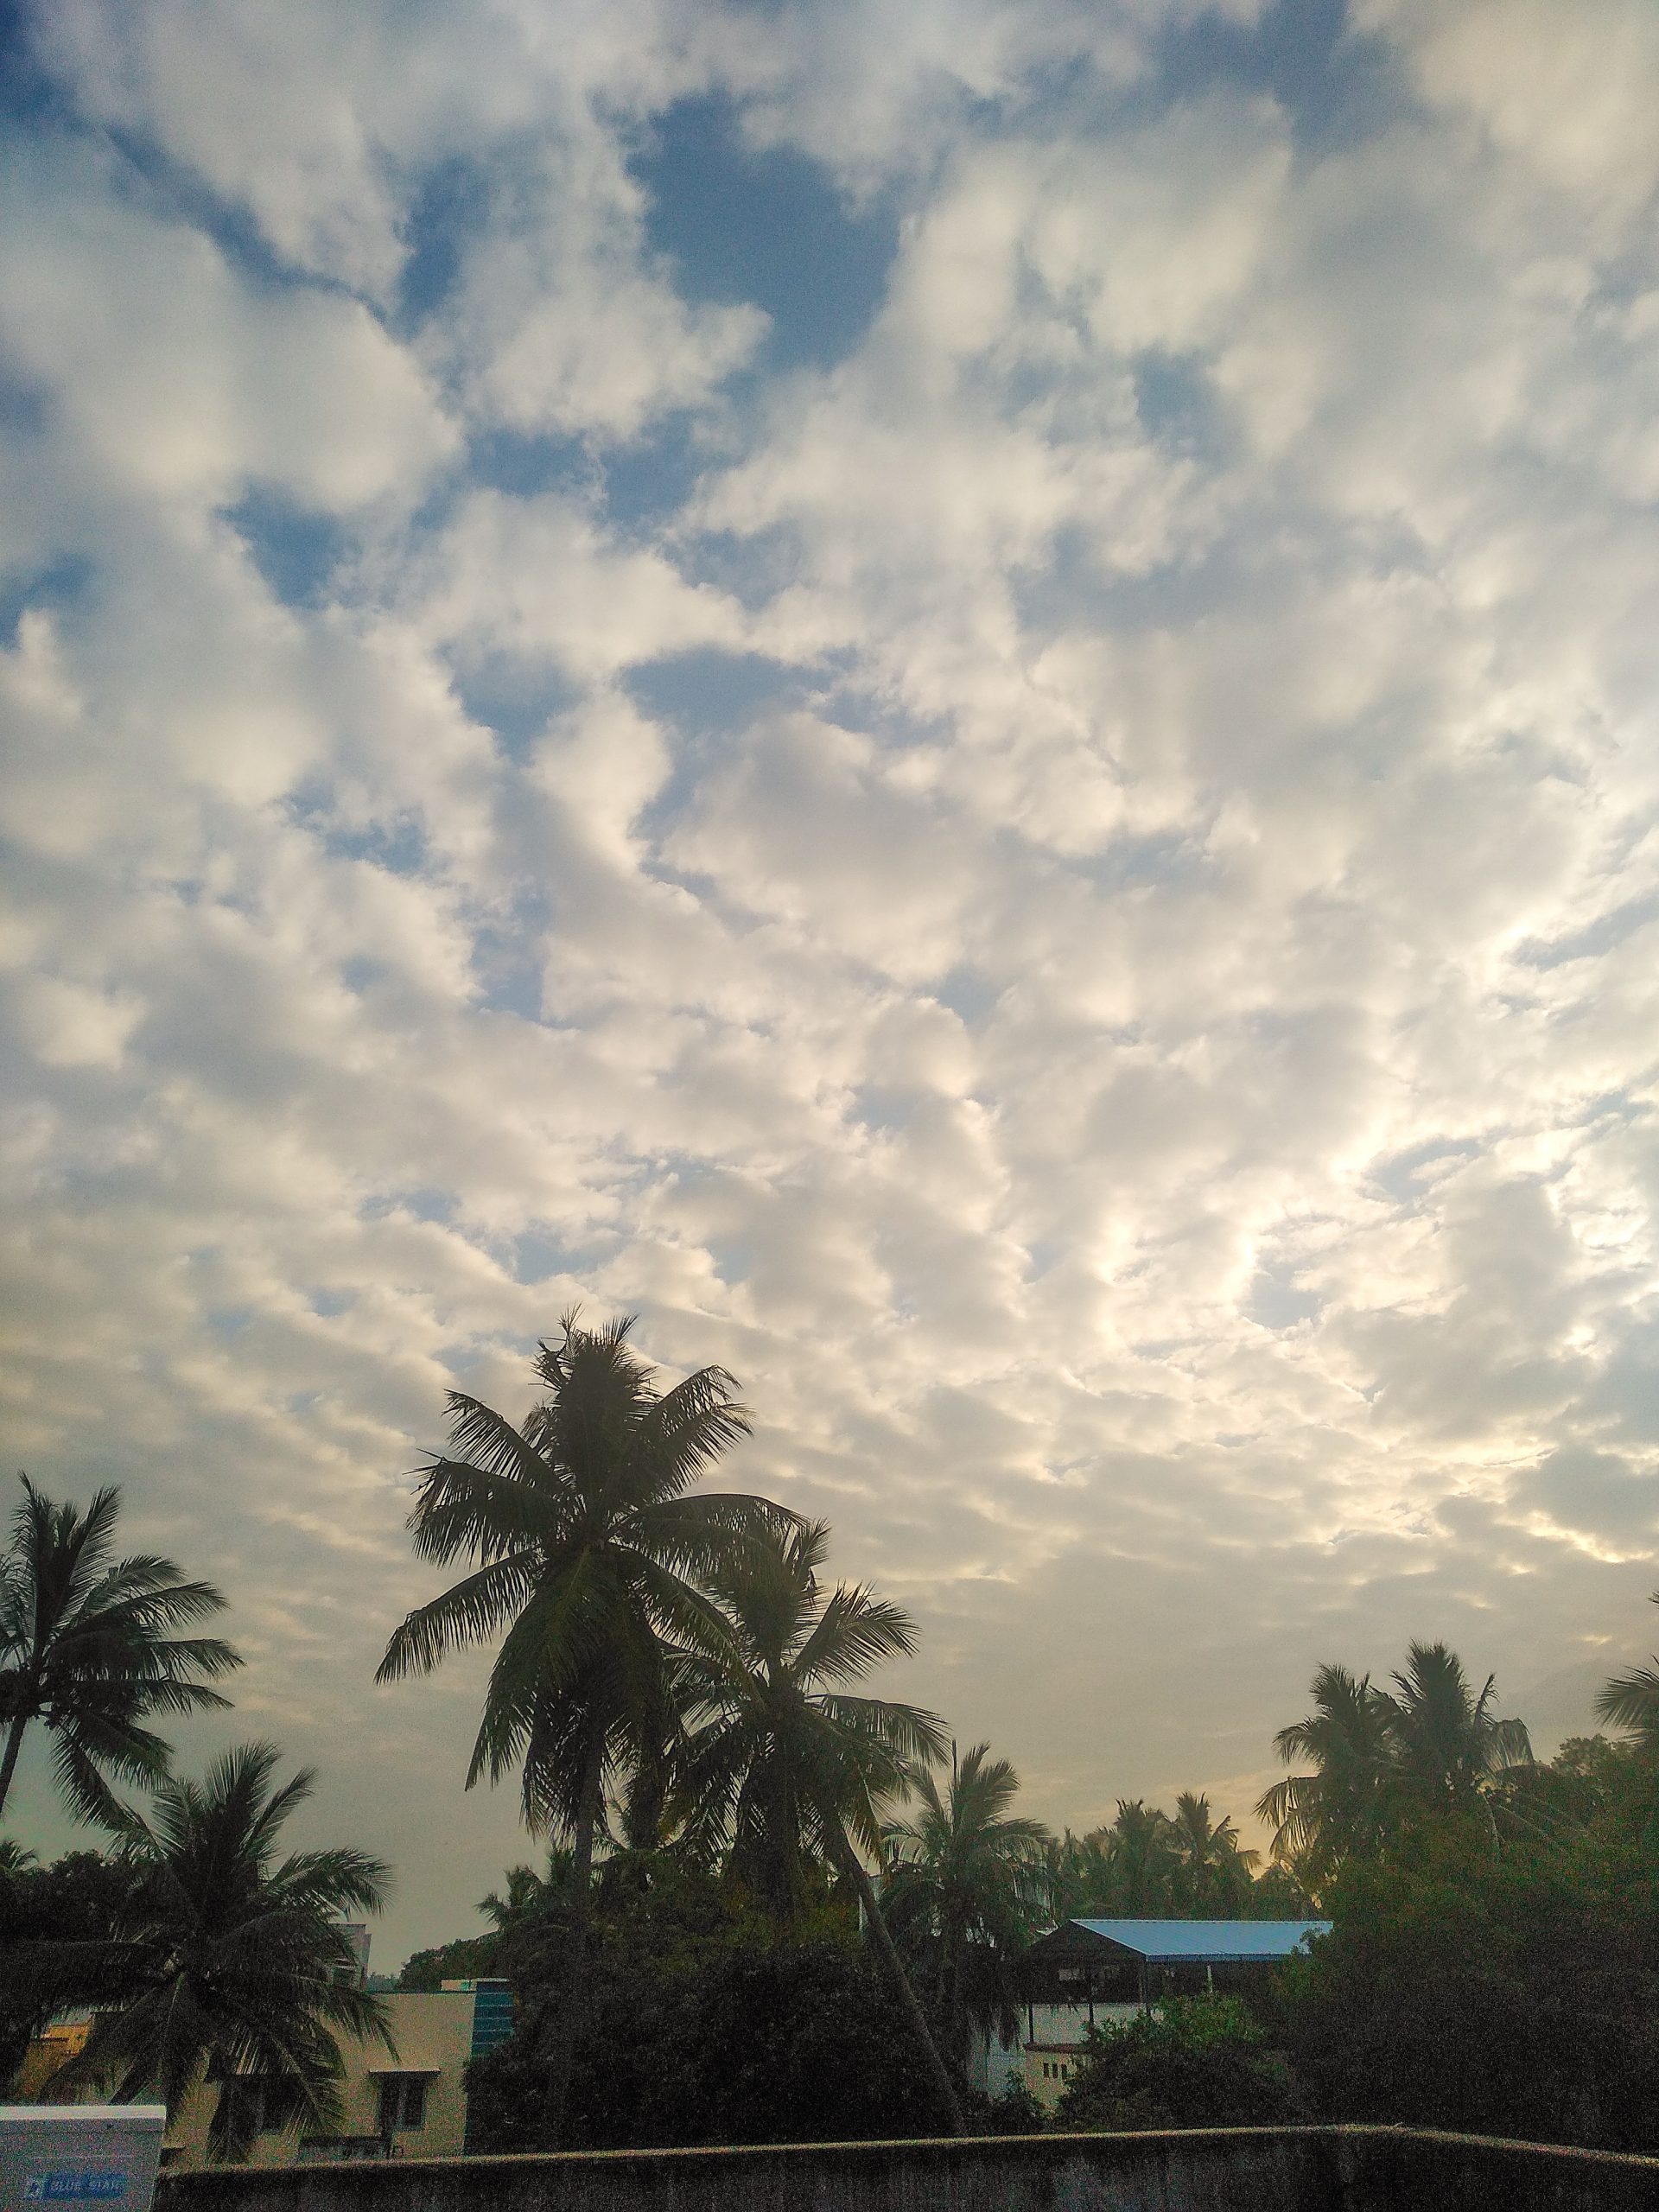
point(959, 698)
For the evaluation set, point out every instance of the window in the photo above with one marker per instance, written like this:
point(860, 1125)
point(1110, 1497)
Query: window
point(402, 2103)
point(261, 2104)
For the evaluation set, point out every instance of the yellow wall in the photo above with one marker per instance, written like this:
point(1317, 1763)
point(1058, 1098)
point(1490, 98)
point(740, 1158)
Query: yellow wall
point(433, 2035)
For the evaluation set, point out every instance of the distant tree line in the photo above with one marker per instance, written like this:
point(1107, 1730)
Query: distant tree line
point(772, 1905)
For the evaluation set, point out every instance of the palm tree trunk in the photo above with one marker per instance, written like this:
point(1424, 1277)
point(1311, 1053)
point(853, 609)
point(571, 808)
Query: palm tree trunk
point(568, 2016)
point(852, 1867)
point(14, 1744)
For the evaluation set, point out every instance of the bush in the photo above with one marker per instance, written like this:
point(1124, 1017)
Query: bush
point(1506, 1993)
point(1198, 2061)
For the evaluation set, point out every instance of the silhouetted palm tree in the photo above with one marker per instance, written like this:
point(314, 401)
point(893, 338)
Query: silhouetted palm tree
point(232, 1968)
point(1345, 1807)
point(1631, 1700)
point(86, 1648)
point(783, 1767)
point(588, 1548)
point(1448, 1745)
point(1213, 1872)
point(1141, 1862)
point(964, 1890)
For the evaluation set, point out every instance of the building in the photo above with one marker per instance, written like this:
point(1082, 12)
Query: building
point(1089, 1973)
point(407, 2102)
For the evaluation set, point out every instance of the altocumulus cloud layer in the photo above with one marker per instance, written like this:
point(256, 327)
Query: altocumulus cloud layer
point(960, 697)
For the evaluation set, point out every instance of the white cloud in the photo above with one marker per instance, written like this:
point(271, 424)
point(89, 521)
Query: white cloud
point(1137, 1048)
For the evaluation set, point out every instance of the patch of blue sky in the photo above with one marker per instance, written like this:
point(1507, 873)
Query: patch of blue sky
point(29, 94)
point(734, 1260)
point(327, 1304)
point(25, 408)
point(514, 699)
point(766, 225)
point(61, 584)
point(507, 963)
point(1336, 84)
point(969, 994)
point(709, 690)
point(537, 1255)
point(447, 212)
point(1176, 402)
point(297, 549)
point(227, 1322)
point(884, 1110)
point(1130, 863)
point(425, 1201)
point(650, 479)
point(1043, 1253)
point(360, 975)
point(398, 844)
point(1277, 1301)
point(526, 462)
point(1400, 1175)
point(1078, 586)
point(1598, 936)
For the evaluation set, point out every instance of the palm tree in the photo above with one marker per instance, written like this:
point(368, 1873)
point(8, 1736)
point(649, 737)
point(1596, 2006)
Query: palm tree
point(1140, 1857)
point(963, 1888)
point(86, 1648)
point(1077, 1876)
point(1631, 1700)
point(232, 1968)
point(1345, 1809)
point(1212, 1870)
point(785, 1768)
point(530, 1895)
point(1448, 1746)
point(587, 1551)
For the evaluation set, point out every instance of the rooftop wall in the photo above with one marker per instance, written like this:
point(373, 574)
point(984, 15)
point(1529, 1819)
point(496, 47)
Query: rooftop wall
point(1218, 2169)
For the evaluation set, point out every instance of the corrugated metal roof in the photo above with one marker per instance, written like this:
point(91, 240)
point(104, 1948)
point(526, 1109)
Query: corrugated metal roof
point(1204, 1943)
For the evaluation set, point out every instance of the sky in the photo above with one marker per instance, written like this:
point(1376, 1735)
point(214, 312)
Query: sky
point(958, 699)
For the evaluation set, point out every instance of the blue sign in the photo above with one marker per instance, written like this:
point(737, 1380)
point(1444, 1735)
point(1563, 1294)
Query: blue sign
point(98, 2185)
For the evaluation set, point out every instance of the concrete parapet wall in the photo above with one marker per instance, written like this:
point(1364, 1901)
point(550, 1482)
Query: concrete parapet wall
point(1198, 2170)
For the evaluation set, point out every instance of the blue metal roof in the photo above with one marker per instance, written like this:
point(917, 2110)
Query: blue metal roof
point(1205, 1942)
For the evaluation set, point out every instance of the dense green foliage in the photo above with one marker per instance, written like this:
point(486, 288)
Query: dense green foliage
point(705, 2022)
point(1508, 1984)
point(81, 1899)
point(1198, 2062)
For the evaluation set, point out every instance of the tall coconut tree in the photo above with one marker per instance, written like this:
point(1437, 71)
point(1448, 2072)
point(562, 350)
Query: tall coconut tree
point(1631, 1700)
point(964, 1892)
point(88, 1649)
point(1213, 1871)
point(1139, 1850)
point(785, 1767)
point(231, 1967)
point(588, 1545)
point(1448, 1746)
point(1345, 1807)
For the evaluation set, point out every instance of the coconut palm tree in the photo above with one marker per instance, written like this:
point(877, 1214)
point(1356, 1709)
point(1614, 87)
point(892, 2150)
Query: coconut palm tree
point(964, 1890)
point(1631, 1700)
point(587, 1547)
point(231, 1967)
point(1213, 1871)
point(1345, 1807)
point(1448, 1746)
point(86, 1649)
point(1139, 1857)
point(782, 1766)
